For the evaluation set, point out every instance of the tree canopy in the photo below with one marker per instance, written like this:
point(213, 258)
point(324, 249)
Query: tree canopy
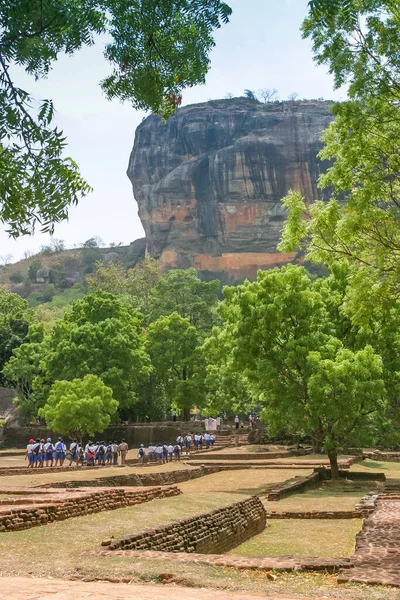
point(101, 335)
point(359, 42)
point(137, 282)
point(155, 49)
point(182, 291)
point(301, 364)
point(15, 317)
point(79, 407)
point(174, 347)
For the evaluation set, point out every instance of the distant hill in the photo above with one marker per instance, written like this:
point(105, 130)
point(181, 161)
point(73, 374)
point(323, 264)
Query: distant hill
point(42, 276)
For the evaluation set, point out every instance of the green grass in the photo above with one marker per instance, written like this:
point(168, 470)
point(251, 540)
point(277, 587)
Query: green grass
point(380, 466)
point(331, 538)
point(19, 550)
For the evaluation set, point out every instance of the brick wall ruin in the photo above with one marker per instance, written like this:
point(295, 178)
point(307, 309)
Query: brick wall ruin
point(25, 515)
point(215, 532)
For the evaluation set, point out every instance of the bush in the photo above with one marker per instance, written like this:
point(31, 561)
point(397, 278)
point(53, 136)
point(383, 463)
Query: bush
point(46, 295)
point(16, 277)
point(33, 269)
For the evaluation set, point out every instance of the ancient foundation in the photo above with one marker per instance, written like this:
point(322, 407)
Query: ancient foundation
point(214, 532)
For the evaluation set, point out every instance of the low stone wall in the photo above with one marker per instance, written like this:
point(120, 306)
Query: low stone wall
point(297, 486)
point(382, 456)
point(133, 479)
point(215, 532)
point(84, 503)
point(10, 471)
point(353, 475)
point(248, 456)
point(318, 514)
point(302, 484)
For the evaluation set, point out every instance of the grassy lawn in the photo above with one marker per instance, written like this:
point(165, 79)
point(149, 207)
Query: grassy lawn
point(28, 480)
point(391, 470)
point(319, 537)
point(65, 541)
point(246, 481)
point(324, 498)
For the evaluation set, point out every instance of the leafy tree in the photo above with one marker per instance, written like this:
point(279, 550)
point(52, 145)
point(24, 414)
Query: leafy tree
point(182, 291)
point(109, 277)
point(15, 317)
point(33, 269)
point(227, 387)
point(360, 225)
point(155, 48)
point(250, 95)
point(347, 397)
point(174, 347)
point(94, 242)
point(79, 407)
point(16, 277)
point(136, 282)
point(100, 335)
point(151, 404)
point(286, 341)
point(90, 256)
point(25, 374)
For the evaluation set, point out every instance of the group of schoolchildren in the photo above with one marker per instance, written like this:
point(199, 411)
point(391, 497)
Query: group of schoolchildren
point(40, 453)
point(167, 452)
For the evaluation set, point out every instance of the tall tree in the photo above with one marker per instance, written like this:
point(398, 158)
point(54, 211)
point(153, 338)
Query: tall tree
point(15, 317)
point(24, 372)
point(174, 347)
point(155, 48)
point(359, 42)
point(284, 340)
point(137, 282)
point(101, 335)
point(182, 291)
point(79, 407)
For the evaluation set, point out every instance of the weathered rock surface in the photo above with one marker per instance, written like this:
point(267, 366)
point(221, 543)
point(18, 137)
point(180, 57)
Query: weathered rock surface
point(209, 182)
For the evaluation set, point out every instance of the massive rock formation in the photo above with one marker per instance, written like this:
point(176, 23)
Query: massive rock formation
point(209, 182)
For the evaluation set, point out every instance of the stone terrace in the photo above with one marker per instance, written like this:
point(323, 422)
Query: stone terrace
point(377, 556)
point(25, 509)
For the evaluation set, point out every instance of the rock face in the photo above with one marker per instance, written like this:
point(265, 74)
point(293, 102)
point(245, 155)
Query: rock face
point(209, 182)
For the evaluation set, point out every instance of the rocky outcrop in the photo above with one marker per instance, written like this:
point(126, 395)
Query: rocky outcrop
point(209, 182)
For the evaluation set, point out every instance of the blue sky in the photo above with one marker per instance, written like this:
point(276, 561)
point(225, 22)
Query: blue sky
point(261, 47)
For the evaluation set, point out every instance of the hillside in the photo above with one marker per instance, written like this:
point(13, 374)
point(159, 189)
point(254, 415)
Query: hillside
point(44, 275)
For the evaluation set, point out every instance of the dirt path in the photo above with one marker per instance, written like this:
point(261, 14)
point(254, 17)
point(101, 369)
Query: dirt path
point(23, 588)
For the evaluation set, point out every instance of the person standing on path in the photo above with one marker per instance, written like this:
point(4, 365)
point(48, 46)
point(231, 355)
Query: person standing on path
point(141, 453)
point(123, 451)
point(29, 454)
point(60, 452)
point(48, 452)
point(188, 441)
point(237, 422)
point(115, 453)
point(73, 452)
point(174, 415)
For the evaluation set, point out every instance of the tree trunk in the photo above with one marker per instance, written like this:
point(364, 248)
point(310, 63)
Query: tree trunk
point(317, 438)
point(332, 455)
point(186, 414)
point(317, 445)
